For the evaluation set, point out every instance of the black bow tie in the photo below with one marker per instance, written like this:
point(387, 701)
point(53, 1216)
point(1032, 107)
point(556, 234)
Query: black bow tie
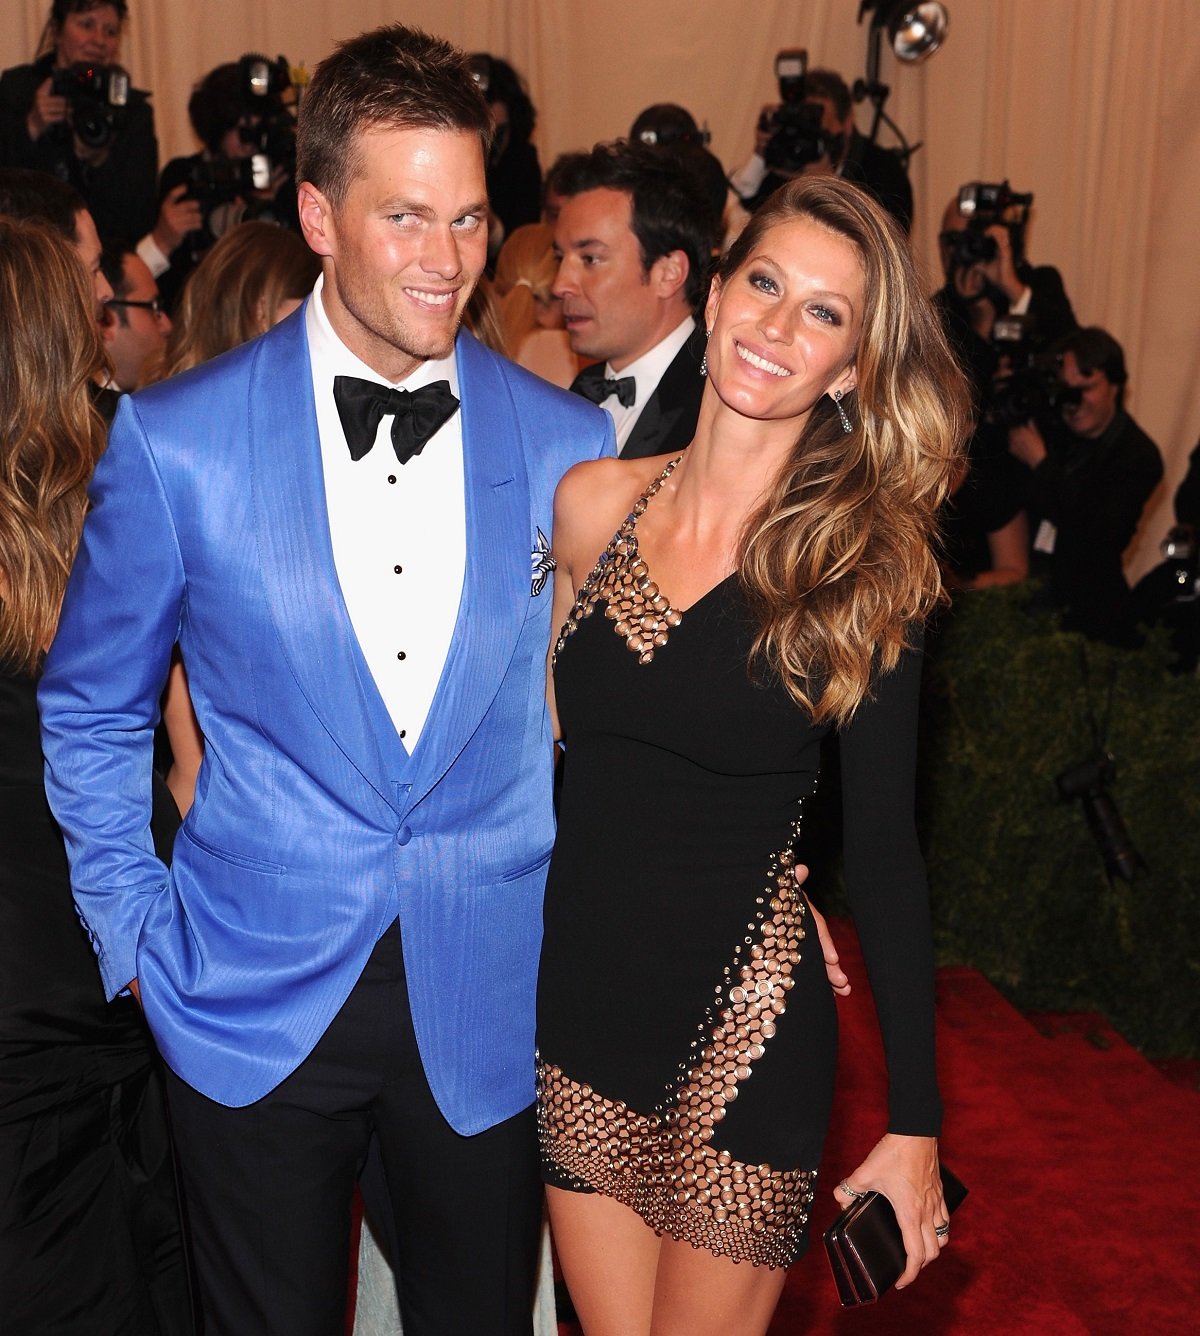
point(598, 390)
point(362, 405)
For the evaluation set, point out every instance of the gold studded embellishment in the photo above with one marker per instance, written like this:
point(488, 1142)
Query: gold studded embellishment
point(663, 1164)
point(642, 615)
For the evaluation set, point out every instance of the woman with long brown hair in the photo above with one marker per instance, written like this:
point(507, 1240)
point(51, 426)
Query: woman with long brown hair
point(760, 590)
point(257, 274)
point(89, 1236)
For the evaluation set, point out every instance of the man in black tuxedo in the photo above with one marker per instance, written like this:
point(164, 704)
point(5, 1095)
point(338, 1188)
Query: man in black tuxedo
point(635, 237)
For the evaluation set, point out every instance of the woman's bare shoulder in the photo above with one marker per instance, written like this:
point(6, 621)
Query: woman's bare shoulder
point(598, 484)
point(593, 499)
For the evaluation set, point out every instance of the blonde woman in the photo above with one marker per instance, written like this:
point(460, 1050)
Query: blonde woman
point(721, 611)
point(255, 276)
point(530, 314)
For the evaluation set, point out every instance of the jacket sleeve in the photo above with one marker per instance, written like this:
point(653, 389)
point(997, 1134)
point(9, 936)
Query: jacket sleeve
point(99, 696)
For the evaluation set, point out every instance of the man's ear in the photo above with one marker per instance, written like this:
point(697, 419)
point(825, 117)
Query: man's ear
point(316, 219)
point(669, 273)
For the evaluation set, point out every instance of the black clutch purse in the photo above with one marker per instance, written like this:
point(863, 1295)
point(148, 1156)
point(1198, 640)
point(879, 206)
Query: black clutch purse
point(866, 1250)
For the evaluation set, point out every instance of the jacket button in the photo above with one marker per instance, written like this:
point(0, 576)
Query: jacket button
point(404, 835)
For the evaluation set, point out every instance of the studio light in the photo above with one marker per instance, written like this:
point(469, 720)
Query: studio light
point(915, 31)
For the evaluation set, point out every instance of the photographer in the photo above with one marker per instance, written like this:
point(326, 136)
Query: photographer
point(241, 114)
point(995, 306)
point(811, 131)
point(73, 115)
point(1091, 473)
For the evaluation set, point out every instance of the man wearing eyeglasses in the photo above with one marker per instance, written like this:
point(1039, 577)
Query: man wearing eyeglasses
point(135, 326)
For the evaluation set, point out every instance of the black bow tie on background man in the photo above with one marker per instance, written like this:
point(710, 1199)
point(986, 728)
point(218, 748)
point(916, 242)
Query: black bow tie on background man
point(362, 405)
point(598, 390)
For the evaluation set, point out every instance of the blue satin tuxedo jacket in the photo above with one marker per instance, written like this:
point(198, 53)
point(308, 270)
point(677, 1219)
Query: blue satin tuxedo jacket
point(313, 828)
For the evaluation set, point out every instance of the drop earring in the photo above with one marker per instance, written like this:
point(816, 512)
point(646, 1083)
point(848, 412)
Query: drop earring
point(704, 359)
point(837, 399)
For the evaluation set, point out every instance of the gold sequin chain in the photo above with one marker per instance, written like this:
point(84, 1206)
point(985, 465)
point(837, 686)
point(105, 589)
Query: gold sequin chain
point(642, 614)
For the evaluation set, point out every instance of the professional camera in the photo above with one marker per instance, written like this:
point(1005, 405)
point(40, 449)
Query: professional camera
point(224, 186)
point(218, 180)
point(1089, 781)
point(985, 205)
point(269, 124)
point(795, 125)
point(1032, 390)
point(98, 96)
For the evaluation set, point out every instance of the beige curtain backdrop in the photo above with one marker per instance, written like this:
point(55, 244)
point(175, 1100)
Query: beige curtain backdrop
point(1094, 105)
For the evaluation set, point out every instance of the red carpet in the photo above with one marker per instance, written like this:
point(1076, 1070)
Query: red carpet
point(1083, 1167)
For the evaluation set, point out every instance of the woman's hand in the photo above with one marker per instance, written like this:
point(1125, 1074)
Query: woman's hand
point(839, 980)
point(47, 110)
point(905, 1170)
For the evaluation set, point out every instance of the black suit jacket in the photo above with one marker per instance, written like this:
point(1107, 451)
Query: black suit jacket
point(668, 422)
point(1094, 492)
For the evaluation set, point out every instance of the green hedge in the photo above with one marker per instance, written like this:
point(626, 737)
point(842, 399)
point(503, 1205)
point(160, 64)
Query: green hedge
point(1018, 885)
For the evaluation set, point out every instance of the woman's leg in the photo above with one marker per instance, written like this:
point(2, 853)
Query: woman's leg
point(609, 1257)
point(698, 1294)
point(627, 1281)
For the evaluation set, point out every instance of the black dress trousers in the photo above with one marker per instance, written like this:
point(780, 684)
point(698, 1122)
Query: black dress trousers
point(269, 1187)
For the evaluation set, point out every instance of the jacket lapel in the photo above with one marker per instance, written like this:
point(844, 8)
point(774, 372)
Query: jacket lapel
point(496, 589)
point(292, 523)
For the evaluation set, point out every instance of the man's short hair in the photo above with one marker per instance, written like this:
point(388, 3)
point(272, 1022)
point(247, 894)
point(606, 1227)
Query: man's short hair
point(670, 210)
point(1095, 349)
point(831, 86)
point(665, 123)
point(112, 266)
point(41, 198)
point(392, 78)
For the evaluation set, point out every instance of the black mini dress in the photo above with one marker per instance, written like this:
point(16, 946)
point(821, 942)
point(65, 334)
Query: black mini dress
point(686, 1030)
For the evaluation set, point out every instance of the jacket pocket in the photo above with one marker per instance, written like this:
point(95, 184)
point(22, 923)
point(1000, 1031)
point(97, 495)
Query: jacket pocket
point(237, 860)
point(531, 866)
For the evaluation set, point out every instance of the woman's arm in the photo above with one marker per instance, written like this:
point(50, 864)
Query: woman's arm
point(885, 879)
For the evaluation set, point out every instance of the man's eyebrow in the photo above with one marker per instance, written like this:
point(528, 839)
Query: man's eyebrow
point(398, 204)
point(583, 242)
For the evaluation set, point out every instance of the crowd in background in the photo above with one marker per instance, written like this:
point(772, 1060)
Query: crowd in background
point(1053, 489)
point(153, 272)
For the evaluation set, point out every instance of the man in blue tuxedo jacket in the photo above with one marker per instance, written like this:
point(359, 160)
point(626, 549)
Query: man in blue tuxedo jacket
point(346, 942)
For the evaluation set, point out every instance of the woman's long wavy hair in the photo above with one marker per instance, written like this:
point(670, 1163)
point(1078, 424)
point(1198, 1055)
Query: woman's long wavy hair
point(838, 560)
point(235, 292)
point(525, 274)
point(50, 437)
